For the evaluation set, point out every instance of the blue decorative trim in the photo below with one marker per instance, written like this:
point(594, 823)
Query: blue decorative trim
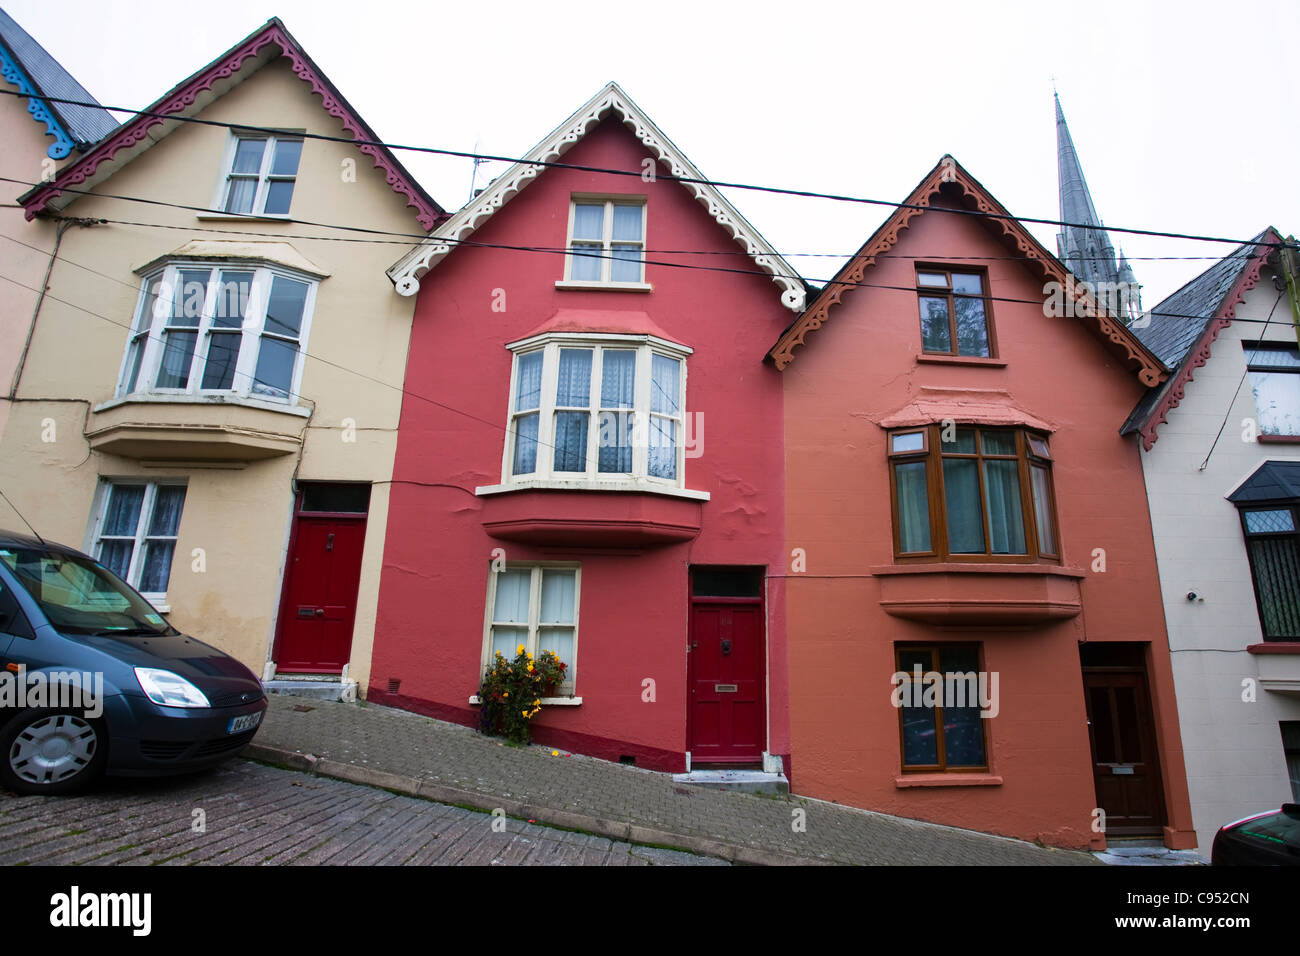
point(39, 109)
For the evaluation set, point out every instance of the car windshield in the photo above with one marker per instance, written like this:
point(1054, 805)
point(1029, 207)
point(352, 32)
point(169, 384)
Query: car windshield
point(81, 596)
point(1274, 828)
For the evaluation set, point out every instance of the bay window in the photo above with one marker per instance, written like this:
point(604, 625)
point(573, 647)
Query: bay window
point(971, 494)
point(597, 409)
point(206, 328)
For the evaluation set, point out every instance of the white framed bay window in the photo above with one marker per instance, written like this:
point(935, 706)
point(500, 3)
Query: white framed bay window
point(595, 411)
point(219, 328)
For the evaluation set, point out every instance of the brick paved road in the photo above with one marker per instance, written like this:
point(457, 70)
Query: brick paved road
point(260, 815)
point(382, 738)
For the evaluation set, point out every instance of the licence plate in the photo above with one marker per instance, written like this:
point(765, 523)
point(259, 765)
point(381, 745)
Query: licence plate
point(247, 722)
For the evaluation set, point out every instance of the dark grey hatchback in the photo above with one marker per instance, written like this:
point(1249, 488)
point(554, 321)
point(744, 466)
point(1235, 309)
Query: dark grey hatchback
point(94, 680)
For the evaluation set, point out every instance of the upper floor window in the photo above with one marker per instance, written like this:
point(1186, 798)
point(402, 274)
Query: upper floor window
point(955, 313)
point(205, 328)
point(1273, 543)
point(597, 408)
point(967, 494)
point(260, 175)
point(606, 241)
point(1274, 369)
point(135, 529)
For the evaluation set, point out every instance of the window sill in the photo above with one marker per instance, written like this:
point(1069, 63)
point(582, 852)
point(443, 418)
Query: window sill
point(585, 484)
point(242, 217)
point(1278, 439)
point(937, 359)
point(546, 701)
point(604, 286)
point(166, 398)
point(909, 780)
point(1274, 647)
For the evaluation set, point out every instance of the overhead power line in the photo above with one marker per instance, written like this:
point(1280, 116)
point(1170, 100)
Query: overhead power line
point(638, 173)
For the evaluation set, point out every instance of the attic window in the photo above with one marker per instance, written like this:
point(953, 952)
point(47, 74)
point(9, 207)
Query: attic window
point(955, 313)
point(260, 174)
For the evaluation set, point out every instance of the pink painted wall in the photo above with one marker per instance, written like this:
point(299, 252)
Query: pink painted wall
point(634, 608)
point(862, 366)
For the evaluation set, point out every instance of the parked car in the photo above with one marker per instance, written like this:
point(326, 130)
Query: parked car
point(95, 681)
point(1271, 838)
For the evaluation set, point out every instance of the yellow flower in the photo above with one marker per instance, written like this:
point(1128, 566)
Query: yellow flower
point(524, 712)
point(506, 694)
point(555, 753)
point(519, 649)
point(530, 668)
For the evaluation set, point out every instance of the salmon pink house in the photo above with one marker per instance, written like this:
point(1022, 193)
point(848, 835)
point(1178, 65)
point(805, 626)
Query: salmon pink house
point(976, 635)
point(589, 458)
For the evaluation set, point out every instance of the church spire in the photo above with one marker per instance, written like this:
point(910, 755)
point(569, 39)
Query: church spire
point(1085, 247)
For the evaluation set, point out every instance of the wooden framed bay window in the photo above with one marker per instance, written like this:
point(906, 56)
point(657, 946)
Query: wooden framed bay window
point(966, 493)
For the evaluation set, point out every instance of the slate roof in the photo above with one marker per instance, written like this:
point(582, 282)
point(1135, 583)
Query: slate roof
point(1178, 322)
point(1272, 481)
point(84, 124)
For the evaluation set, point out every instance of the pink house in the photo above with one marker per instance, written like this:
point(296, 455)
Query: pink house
point(590, 455)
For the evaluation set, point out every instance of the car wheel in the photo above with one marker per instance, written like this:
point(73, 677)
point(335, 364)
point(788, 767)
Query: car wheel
point(51, 751)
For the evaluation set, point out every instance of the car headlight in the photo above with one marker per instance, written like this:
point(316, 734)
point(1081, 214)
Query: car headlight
point(170, 690)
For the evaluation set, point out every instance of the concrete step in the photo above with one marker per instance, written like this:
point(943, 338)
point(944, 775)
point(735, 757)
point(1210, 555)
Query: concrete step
point(747, 781)
point(314, 687)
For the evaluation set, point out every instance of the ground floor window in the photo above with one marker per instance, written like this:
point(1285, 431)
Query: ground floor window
point(940, 692)
point(1291, 747)
point(136, 526)
point(535, 606)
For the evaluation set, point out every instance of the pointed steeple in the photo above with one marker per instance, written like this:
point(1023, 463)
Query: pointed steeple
point(1084, 247)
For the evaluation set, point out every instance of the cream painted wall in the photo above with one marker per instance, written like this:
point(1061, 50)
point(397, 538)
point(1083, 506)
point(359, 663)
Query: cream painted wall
point(23, 158)
point(1233, 749)
point(359, 332)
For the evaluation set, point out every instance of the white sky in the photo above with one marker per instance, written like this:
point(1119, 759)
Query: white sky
point(1184, 114)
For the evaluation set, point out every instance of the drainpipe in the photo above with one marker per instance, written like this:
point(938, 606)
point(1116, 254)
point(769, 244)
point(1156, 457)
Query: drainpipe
point(59, 230)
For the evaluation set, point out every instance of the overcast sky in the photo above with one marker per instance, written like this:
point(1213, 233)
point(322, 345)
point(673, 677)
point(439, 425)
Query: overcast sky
point(1184, 114)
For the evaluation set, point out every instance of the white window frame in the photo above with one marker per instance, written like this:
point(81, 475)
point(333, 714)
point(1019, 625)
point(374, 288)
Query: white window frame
point(151, 335)
point(264, 178)
point(645, 346)
point(569, 684)
point(100, 512)
point(608, 243)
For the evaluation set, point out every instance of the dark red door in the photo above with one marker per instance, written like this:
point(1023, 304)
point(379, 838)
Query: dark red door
point(727, 700)
point(320, 602)
point(1125, 766)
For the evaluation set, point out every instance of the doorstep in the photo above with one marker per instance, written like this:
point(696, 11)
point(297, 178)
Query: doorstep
point(1136, 852)
point(315, 686)
point(746, 781)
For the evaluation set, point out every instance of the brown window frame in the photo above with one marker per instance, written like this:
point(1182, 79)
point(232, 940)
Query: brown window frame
point(952, 295)
point(941, 748)
point(933, 455)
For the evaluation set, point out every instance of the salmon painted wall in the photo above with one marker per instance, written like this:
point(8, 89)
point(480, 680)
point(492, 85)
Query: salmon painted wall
point(633, 613)
point(861, 367)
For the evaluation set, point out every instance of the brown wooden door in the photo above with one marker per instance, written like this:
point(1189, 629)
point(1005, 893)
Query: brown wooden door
point(324, 571)
point(1125, 765)
point(728, 720)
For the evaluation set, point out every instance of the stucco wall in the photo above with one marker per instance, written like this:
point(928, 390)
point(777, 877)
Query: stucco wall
point(354, 369)
point(1233, 747)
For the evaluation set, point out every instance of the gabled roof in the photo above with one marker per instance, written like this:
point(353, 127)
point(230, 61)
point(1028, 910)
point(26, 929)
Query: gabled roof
point(1182, 328)
point(192, 95)
point(952, 179)
point(611, 100)
point(27, 65)
point(1272, 481)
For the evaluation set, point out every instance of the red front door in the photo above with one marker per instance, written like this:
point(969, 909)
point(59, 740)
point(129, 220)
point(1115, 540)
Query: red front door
point(320, 598)
point(727, 695)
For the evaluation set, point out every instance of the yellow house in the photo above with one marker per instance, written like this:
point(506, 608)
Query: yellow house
point(210, 400)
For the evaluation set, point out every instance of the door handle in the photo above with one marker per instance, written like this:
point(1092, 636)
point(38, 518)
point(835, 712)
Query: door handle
point(329, 542)
point(726, 648)
point(320, 612)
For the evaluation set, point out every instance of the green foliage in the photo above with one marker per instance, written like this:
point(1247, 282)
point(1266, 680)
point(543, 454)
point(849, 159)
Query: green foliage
point(511, 692)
